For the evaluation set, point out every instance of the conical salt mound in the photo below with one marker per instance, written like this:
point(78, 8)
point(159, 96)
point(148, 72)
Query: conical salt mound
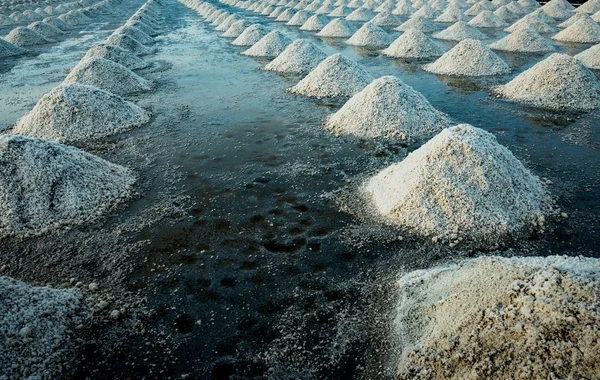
point(225, 24)
point(557, 11)
point(532, 22)
point(590, 7)
point(572, 20)
point(24, 37)
point(45, 30)
point(129, 43)
point(299, 18)
point(469, 58)
point(459, 31)
point(420, 23)
point(143, 27)
point(74, 113)
point(584, 31)
point(136, 34)
point(525, 40)
point(427, 12)
point(315, 23)
point(386, 20)
point(285, 16)
point(461, 185)
point(590, 57)
point(300, 57)
point(559, 82)
point(107, 75)
point(118, 55)
point(505, 14)
point(371, 36)
point(387, 108)
point(337, 28)
point(341, 11)
point(45, 185)
point(271, 45)
point(235, 29)
point(452, 15)
point(336, 76)
point(487, 19)
point(361, 14)
point(57, 23)
point(9, 50)
point(413, 44)
point(250, 36)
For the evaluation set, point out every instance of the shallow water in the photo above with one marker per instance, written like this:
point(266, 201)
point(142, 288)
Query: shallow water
point(258, 265)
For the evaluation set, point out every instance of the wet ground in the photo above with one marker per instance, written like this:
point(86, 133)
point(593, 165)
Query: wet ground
point(247, 242)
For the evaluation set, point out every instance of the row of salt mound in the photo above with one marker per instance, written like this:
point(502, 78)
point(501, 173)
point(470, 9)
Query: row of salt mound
point(524, 40)
point(459, 31)
point(388, 108)
point(371, 36)
point(117, 54)
point(413, 44)
point(469, 58)
point(250, 35)
point(270, 46)
point(462, 185)
point(300, 57)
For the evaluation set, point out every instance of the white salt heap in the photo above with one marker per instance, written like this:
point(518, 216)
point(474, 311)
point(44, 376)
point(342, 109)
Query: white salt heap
point(487, 19)
point(558, 10)
point(45, 30)
point(590, 6)
point(533, 22)
point(469, 58)
point(9, 50)
point(461, 185)
point(315, 23)
point(559, 82)
point(585, 31)
point(500, 318)
point(118, 55)
point(135, 33)
point(524, 40)
point(235, 29)
point(371, 36)
point(270, 46)
point(451, 15)
point(250, 36)
point(74, 113)
point(413, 44)
point(420, 23)
point(386, 19)
point(285, 16)
point(129, 43)
point(23, 37)
point(572, 20)
point(299, 18)
point(35, 326)
point(46, 185)
point(300, 57)
point(590, 57)
point(336, 76)
point(337, 28)
point(459, 31)
point(387, 108)
point(361, 14)
point(341, 11)
point(107, 75)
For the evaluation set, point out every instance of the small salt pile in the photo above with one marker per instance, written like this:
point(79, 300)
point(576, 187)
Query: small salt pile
point(480, 7)
point(336, 76)
point(533, 22)
point(250, 36)
point(543, 16)
point(487, 19)
point(270, 46)
point(24, 37)
point(370, 36)
point(404, 9)
point(459, 31)
point(361, 14)
point(420, 23)
point(118, 55)
point(558, 9)
point(74, 113)
point(315, 23)
point(299, 18)
point(559, 82)
point(143, 27)
point(224, 25)
point(386, 20)
point(107, 75)
point(572, 20)
point(235, 29)
point(584, 31)
point(48, 185)
point(337, 28)
point(9, 50)
point(427, 12)
point(413, 44)
point(590, 57)
point(300, 57)
point(451, 15)
point(46, 30)
point(461, 185)
point(129, 43)
point(286, 15)
point(505, 14)
point(387, 108)
point(469, 58)
point(524, 40)
point(325, 9)
point(341, 11)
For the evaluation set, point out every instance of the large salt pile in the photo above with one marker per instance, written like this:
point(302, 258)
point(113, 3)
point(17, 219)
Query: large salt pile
point(250, 36)
point(337, 28)
point(420, 23)
point(23, 37)
point(336, 76)
point(387, 108)
point(533, 22)
point(300, 57)
point(35, 326)
point(45, 185)
point(558, 9)
point(361, 14)
point(270, 46)
point(459, 31)
point(73, 113)
point(500, 318)
point(524, 40)
point(469, 58)
point(107, 75)
point(558, 82)
point(46, 30)
point(129, 43)
point(371, 36)
point(9, 50)
point(315, 23)
point(118, 55)
point(590, 57)
point(461, 185)
point(585, 31)
point(487, 19)
point(413, 44)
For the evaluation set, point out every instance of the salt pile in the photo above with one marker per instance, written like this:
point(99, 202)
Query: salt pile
point(300, 57)
point(299, 18)
point(235, 29)
point(107, 75)
point(9, 50)
point(387, 108)
point(371, 36)
point(143, 27)
point(341, 11)
point(505, 13)
point(572, 20)
point(386, 19)
point(223, 26)
point(46, 30)
point(461, 185)
point(315, 23)
point(533, 22)
point(57, 23)
point(420, 23)
point(524, 40)
point(271, 45)
point(404, 9)
point(129, 43)
point(413, 44)
point(36, 325)
point(543, 16)
point(23, 37)
point(584, 31)
point(118, 55)
point(47, 185)
point(590, 57)
point(285, 16)
point(590, 6)
point(74, 113)
point(496, 317)
point(451, 15)
point(487, 19)
point(250, 36)
point(337, 28)
point(361, 14)
point(558, 9)
point(469, 58)
point(459, 31)
point(559, 82)
point(276, 12)
point(336, 76)
point(427, 12)
point(135, 33)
